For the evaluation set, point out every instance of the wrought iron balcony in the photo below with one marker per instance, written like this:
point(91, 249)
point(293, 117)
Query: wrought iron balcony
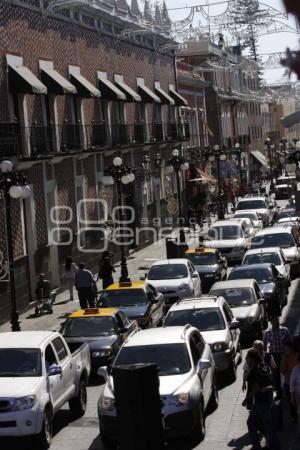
point(96, 135)
point(120, 135)
point(41, 139)
point(70, 139)
point(10, 143)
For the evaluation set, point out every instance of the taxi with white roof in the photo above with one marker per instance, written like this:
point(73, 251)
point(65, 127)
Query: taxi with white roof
point(138, 300)
point(209, 263)
point(104, 330)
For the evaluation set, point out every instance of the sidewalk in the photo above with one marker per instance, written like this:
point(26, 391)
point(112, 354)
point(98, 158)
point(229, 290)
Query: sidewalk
point(138, 263)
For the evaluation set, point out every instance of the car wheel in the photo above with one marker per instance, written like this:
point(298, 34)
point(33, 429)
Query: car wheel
point(214, 399)
point(78, 404)
point(43, 440)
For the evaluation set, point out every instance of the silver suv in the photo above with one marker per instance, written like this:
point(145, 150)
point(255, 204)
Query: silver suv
point(217, 324)
point(186, 374)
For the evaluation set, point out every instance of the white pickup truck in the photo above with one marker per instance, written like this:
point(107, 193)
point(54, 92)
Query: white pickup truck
point(39, 373)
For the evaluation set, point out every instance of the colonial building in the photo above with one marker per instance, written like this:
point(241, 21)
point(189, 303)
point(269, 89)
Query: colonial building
point(81, 83)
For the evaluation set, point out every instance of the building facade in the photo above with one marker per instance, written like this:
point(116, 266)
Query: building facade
point(80, 85)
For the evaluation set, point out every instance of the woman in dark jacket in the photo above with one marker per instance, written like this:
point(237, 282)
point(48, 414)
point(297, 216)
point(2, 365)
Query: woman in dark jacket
point(106, 270)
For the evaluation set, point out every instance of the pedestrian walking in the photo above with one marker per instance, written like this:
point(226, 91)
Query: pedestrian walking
point(106, 270)
point(69, 275)
point(86, 287)
point(274, 340)
point(295, 390)
point(261, 397)
point(289, 360)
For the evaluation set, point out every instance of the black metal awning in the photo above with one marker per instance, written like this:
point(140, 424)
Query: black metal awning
point(56, 83)
point(84, 88)
point(147, 95)
point(164, 97)
point(179, 100)
point(109, 91)
point(23, 81)
point(131, 95)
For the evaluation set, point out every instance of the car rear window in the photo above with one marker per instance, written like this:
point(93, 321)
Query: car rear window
point(205, 319)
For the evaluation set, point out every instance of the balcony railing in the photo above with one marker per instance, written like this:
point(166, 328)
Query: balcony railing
point(46, 140)
point(41, 139)
point(70, 137)
point(120, 135)
point(10, 144)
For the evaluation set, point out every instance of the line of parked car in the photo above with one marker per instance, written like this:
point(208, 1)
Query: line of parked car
point(187, 316)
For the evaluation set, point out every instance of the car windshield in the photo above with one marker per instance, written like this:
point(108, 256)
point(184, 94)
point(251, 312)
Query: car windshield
point(205, 319)
point(225, 232)
point(260, 258)
point(284, 214)
point(261, 275)
point(252, 204)
point(21, 362)
point(118, 298)
point(273, 240)
point(202, 259)
point(171, 359)
point(167, 272)
point(236, 297)
point(89, 327)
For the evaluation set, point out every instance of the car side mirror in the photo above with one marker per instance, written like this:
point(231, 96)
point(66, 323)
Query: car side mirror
point(103, 372)
point(123, 330)
point(234, 325)
point(154, 300)
point(261, 301)
point(203, 364)
point(54, 370)
point(195, 275)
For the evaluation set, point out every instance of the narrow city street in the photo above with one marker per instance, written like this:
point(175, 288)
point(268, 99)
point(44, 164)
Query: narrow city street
point(225, 428)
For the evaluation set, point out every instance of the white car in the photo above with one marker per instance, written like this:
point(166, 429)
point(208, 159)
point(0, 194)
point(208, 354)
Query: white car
point(259, 204)
point(279, 236)
point(186, 379)
point(174, 278)
point(40, 373)
point(230, 237)
point(253, 215)
point(271, 255)
point(212, 316)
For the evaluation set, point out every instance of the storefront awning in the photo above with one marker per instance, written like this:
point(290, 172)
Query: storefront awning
point(164, 97)
point(261, 158)
point(147, 95)
point(109, 91)
point(179, 100)
point(56, 83)
point(23, 81)
point(84, 88)
point(131, 95)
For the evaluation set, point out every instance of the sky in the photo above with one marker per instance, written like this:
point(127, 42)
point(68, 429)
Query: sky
point(267, 44)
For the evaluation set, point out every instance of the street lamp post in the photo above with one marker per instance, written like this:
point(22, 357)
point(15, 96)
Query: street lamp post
point(268, 147)
point(238, 152)
point(12, 185)
point(119, 174)
point(283, 146)
point(178, 163)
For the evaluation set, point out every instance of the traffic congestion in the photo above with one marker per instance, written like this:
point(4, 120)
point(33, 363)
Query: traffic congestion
point(192, 316)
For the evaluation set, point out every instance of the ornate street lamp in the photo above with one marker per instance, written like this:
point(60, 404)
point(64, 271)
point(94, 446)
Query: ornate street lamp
point(119, 174)
point(12, 185)
point(179, 164)
point(282, 146)
point(269, 146)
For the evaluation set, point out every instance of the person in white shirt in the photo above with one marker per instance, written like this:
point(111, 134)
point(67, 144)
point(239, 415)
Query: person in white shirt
point(295, 390)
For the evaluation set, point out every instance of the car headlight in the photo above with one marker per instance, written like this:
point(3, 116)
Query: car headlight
point(218, 347)
point(102, 353)
point(107, 403)
point(182, 399)
point(183, 286)
point(24, 403)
